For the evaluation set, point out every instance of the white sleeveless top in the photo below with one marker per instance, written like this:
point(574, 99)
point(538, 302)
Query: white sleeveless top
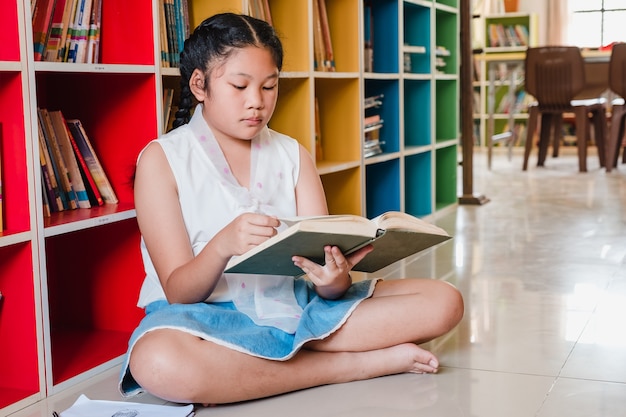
point(210, 197)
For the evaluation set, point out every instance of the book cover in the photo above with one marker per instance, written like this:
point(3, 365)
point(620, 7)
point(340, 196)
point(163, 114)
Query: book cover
point(95, 198)
point(67, 152)
point(93, 163)
point(394, 235)
point(41, 22)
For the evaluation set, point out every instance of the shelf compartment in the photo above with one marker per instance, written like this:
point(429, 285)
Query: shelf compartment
point(19, 364)
point(292, 25)
point(417, 33)
point(340, 118)
point(446, 36)
point(344, 25)
point(343, 191)
point(418, 184)
point(118, 112)
point(14, 155)
point(10, 35)
point(446, 118)
point(389, 111)
point(384, 35)
point(446, 164)
point(382, 191)
point(117, 44)
point(202, 9)
point(93, 281)
point(294, 98)
point(417, 113)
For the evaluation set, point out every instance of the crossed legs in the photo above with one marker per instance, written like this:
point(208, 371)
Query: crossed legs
point(378, 339)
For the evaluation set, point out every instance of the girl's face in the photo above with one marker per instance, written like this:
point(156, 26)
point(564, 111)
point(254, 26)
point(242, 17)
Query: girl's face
point(243, 94)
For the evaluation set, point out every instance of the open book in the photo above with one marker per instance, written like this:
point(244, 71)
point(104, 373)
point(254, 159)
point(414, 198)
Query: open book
point(394, 235)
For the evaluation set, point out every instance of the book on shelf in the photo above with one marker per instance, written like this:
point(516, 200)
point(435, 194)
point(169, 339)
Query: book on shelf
point(48, 176)
point(319, 148)
point(53, 45)
point(67, 152)
point(368, 37)
point(500, 35)
point(322, 43)
point(373, 101)
point(168, 99)
point(41, 20)
point(394, 236)
point(61, 172)
point(260, 9)
point(77, 51)
point(94, 166)
point(174, 29)
point(95, 198)
point(93, 34)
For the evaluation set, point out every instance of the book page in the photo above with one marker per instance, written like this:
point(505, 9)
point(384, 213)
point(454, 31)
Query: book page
point(403, 221)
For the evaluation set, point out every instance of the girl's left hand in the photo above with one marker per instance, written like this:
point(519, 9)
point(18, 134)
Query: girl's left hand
point(332, 279)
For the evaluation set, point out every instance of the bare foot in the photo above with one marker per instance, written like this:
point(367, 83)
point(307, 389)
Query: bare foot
point(417, 360)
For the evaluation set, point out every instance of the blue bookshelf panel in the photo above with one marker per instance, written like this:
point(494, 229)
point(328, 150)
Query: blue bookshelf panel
point(389, 111)
point(383, 187)
point(446, 176)
point(446, 114)
point(417, 33)
point(383, 30)
point(417, 113)
point(417, 182)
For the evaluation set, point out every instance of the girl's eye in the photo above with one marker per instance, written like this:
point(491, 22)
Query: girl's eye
point(239, 87)
point(272, 87)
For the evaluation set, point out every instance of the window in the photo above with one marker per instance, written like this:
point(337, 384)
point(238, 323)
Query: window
point(596, 23)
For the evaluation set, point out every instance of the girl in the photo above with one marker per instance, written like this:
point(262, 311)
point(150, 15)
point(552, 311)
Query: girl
point(215, 187)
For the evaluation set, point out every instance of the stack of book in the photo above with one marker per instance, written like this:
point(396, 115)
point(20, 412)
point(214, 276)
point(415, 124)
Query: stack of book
point(72, 175)
point(372, 124)
point(67, 30)
point(174, 24)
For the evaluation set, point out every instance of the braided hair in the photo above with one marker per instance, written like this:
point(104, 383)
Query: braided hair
point(212, 42)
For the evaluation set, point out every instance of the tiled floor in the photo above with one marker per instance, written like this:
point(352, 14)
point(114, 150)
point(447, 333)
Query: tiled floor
point(542, 267)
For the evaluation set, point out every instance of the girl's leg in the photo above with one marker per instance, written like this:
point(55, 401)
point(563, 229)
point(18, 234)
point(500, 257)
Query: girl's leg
point(180, 367)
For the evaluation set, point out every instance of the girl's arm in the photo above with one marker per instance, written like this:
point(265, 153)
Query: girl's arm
point(185, 278)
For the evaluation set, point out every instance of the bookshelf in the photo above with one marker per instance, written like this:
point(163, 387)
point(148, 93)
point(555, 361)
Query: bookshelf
point(70, 281)
point(505, 59)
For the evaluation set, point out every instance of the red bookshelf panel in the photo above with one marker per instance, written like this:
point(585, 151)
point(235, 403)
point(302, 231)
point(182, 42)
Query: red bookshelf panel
point(12, 141)
point(18, 336)
point(127, 32)
point(118, 112)
point(94, 277)
point(9, 35)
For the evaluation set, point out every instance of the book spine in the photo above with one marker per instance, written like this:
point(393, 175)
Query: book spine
point(56, 203)
point(97, 172)
point(95, 198)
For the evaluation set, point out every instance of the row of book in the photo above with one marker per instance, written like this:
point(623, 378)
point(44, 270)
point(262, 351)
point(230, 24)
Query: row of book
point(67, 30)
point(72, 175)
point(175, 29)
point(260, 9)
point(372, 125)
point(505, 36)
point(324, 58)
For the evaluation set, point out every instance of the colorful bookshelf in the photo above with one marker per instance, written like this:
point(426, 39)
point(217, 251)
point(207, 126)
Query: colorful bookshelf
point(58, 324)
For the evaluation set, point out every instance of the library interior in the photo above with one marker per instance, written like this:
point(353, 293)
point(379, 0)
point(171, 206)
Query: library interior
point(501, 122)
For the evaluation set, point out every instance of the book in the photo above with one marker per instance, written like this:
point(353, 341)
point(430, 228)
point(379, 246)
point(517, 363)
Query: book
point(41, 22)
point(67, 152)
point(68, 196)
point(93, 35)
point(49, 178)
point(95, 198)
point(93, 163)
point(394, 235)
point(84, 406)
point(56, 31)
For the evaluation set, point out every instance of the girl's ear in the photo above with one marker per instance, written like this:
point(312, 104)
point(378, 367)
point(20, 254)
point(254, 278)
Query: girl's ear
point(197, 85)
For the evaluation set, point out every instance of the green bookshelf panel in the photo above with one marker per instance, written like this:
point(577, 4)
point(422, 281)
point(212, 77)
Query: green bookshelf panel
point(417, 113)
point(417, 24)
point(445, 176)
point(383, 187)
point(447, 37)
point(389, 111)
point(418, 184)
point(19, 369)
point(451, 3)
point(446, 118)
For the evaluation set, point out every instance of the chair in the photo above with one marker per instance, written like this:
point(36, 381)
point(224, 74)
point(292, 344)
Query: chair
point(617, 84)
point(554, 76)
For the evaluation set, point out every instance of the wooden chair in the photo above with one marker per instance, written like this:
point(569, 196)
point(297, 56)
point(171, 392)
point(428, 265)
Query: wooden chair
point(617, 84)
point(554, 76)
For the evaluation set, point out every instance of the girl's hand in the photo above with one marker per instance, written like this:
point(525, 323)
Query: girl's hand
point(332, 279)
point(245, 232)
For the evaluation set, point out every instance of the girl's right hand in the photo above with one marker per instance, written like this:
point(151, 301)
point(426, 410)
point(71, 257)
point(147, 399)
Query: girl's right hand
point(245, 232)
